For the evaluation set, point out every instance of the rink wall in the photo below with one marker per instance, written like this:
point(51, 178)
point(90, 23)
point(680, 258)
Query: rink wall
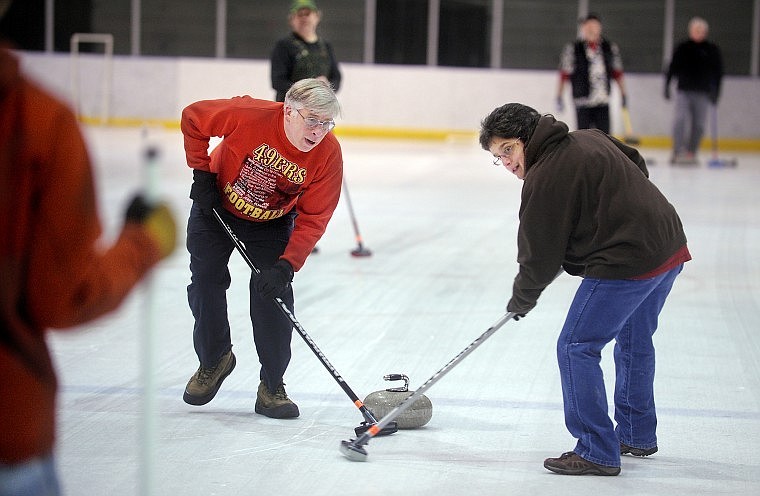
point(377, 100)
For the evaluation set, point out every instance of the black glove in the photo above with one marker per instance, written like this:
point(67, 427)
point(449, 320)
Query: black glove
point(517, 313)
point(273, 281)
point(667, 93)
point(138, 209)
point(624, 101)
point(204, 190)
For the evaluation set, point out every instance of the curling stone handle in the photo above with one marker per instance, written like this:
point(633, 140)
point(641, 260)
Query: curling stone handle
point(398, 377)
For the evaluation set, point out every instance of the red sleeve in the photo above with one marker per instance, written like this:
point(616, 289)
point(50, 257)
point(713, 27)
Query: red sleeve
point(71, 278)
point(315, 207)
point(202, 120)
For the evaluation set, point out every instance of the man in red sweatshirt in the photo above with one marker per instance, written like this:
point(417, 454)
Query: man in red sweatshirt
point(55, 271)
point(275, 179)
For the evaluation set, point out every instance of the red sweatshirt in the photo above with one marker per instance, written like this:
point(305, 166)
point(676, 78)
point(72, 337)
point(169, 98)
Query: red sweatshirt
point(261, 175)
point(53, 272)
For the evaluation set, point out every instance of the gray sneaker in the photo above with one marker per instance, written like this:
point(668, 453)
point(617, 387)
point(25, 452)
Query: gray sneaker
point(275, 404)
point(203, 385)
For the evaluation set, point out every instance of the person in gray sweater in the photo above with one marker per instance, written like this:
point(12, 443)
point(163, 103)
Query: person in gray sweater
point(589, 208)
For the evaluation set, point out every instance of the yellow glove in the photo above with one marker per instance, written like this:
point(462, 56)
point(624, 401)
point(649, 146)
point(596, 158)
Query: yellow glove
point(160, 224)
point(157, 220)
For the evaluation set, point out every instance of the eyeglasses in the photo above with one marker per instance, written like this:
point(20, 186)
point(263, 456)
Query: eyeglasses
point(312, 122)
point(506, 152)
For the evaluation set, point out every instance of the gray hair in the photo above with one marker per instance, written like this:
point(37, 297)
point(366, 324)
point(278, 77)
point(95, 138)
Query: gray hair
point(315, 96)
point(694, 21)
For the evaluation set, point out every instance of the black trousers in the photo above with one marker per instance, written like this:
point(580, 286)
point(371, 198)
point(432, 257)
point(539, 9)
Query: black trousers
point(210, 250)
point(594, 118)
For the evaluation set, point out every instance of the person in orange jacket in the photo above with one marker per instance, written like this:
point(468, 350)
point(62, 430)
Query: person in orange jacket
point(56, 273)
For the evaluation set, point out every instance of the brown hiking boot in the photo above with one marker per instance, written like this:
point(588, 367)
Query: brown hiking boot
point(630, 450)
point(275, 404)
point(571, 464)
point(203, 385)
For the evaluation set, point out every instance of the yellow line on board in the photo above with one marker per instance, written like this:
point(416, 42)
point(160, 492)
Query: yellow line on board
point(733, 144)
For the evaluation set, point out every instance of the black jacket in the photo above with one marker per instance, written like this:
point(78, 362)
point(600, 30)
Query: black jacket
point(579, 79)
point(294, 59)
point(698, 67)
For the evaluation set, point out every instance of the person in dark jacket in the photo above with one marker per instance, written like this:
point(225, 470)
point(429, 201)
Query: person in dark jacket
point(590, 64)
point(589, 208)
point(698, 66)
point(303, 53)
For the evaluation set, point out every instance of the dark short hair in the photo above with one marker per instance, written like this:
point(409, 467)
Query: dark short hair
point(512, 120)
point(590, 17)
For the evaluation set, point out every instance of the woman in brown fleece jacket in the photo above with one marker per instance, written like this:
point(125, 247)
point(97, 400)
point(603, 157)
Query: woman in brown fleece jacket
point(588, 208)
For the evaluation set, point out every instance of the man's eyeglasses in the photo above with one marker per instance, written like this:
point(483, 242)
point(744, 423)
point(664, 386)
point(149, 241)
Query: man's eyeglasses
point(506, 152)
point(312, 122)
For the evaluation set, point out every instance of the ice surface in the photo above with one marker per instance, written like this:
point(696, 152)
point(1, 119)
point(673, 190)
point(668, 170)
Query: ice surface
point(441, 223)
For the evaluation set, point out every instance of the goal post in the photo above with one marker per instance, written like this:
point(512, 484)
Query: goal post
point(106, 40)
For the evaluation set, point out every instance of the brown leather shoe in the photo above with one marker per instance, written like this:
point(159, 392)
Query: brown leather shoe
point(630, 450)
point(571, 464)
point(275, 404)
point(204, 384)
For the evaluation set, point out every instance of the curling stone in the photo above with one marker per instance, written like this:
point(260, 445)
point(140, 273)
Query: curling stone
point(380, 403)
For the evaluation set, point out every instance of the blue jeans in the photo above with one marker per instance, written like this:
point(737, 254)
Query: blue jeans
point(210, 250)
point(603, 310)
point(35, 477)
